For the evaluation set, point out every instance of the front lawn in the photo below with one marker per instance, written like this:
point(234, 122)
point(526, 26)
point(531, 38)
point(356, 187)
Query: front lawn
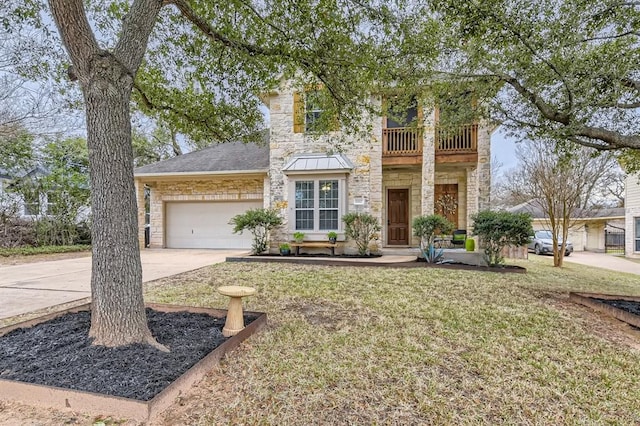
point(32, 251)
point(415, 346)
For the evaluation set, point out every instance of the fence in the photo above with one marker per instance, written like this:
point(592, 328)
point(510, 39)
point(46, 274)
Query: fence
point(614, 242)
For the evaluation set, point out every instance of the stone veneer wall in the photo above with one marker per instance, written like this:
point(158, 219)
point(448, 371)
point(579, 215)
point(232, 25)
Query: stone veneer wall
point(200, 189)
point(366, 180)
point(365, 152)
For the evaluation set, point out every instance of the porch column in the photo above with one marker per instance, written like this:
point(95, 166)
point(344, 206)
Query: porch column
point(375, 176)
point(472, 195)
point(140, 202)
point(428, 163)
point(484, 166)
point(156, 219)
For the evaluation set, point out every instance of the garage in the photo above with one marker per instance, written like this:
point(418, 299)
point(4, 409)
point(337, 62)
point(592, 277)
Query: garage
point(206, 224)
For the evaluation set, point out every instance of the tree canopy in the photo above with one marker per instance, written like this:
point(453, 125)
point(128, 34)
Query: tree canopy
point(563, 70)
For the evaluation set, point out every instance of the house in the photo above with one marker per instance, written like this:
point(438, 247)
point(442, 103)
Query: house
point(26, 203)
point(632, 216)
point(597, 230)
point(396, 172)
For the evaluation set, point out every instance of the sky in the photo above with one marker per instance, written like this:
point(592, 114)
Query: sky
point(503, 148)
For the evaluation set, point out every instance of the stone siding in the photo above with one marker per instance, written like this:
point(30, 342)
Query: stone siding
point(428, 162)
point(368, 181)
point(365, 152)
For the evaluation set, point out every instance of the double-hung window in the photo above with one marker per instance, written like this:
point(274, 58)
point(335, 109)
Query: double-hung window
point(317, 204)
point(311, 114)
point(313, 111)
point(637, 235)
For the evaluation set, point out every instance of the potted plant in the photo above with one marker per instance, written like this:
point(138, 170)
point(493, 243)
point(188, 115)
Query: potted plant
point(298, 236)
point(285, 249)
point(333, 236)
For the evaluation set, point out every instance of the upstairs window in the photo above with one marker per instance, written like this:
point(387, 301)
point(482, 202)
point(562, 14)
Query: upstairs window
point(401, 113)
point(309, 114)
point(312, 111)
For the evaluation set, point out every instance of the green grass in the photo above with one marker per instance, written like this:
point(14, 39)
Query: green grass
point(28, 251)
point(417, 346)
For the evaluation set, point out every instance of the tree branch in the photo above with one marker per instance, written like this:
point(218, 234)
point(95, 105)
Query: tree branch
point(609, 37)
point(545, 109)
point(214, 35)
point(76, 33)
point(136, 29)
point(149, 104)
point(534, 52)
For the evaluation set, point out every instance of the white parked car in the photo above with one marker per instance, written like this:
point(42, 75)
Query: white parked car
point(542, 243)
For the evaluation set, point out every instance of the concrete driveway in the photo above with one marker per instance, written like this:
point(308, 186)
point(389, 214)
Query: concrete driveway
point(605, 261)
point(34, 286)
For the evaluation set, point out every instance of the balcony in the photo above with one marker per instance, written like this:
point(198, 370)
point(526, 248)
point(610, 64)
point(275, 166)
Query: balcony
point(458, 145)
point(402, 146)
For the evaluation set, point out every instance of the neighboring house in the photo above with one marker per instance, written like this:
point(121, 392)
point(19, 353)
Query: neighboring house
point(632, 216)
point(395, 173)
point(5, 179)
point(589, 228)
point(27, 204)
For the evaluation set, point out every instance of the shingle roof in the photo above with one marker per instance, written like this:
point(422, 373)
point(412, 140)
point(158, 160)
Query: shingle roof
point(233, 157)
point(314, 163)
point(533, 208)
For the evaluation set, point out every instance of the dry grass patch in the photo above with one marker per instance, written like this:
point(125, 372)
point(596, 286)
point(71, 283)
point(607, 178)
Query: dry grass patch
point(374, 345)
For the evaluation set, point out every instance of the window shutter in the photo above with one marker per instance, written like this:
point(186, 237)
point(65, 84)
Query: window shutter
point(384, 105)
point(298, 113)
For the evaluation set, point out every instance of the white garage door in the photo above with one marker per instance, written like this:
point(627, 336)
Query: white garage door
point(206, 225)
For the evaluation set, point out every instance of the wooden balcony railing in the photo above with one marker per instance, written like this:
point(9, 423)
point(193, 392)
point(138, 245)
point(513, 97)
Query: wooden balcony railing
point(400, 141)
point(463, 139)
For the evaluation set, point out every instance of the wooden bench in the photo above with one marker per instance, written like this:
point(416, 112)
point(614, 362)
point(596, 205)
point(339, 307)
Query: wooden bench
point(316, 244)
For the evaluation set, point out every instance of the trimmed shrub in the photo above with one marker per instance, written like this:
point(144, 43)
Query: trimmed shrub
point(362, 228)
point(28, 251)
point(259, 222)
point(426, 228)
point(499, 229)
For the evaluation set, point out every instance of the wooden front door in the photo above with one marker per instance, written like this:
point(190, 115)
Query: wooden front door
point(446, 202)
point(398, 217)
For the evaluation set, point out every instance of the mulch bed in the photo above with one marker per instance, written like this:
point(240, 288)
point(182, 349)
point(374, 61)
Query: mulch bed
point(59, 353)
point(626, 305)
point(418, 263)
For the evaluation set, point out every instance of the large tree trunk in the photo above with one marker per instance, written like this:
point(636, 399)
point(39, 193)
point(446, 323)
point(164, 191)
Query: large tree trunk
point(118, 315)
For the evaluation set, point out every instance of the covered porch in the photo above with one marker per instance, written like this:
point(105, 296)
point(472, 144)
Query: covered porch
point(408, 193)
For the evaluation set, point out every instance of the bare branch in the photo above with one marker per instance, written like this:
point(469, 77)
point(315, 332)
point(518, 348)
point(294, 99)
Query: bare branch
point(609, 37)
